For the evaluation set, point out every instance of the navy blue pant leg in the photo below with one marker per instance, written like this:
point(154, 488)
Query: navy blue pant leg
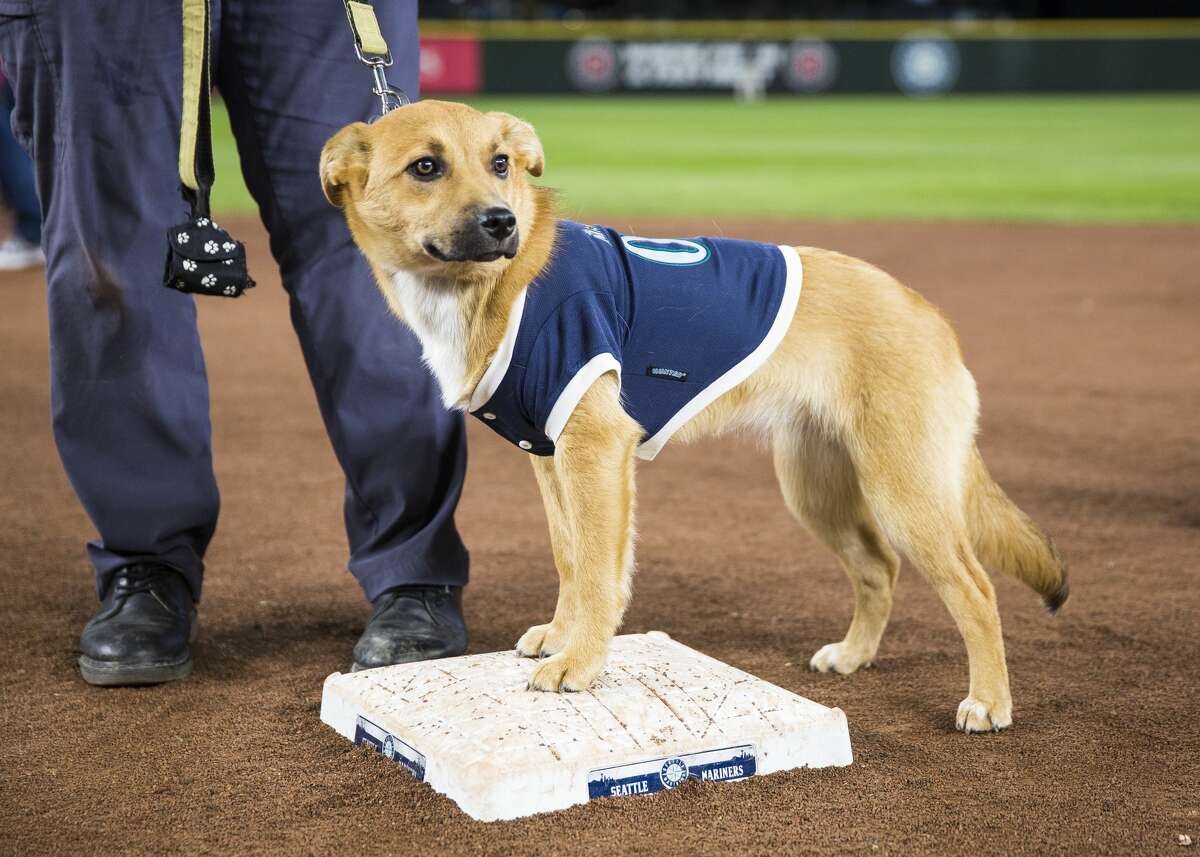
point(97, 88)
point(98, 102)
point(288, 73)
point(16, 177)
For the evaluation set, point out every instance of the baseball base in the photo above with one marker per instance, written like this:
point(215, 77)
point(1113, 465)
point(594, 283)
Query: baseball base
point(659, 714)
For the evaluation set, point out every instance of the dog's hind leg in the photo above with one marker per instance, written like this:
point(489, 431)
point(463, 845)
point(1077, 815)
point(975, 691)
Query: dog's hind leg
point(821, 489)
point(948, 561)
point(921, 509)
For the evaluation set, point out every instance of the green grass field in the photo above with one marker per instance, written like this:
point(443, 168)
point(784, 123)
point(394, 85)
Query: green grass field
point(1115, 159)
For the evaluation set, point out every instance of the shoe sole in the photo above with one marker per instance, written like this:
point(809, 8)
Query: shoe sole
point(355, 666)
point(116, 674)
point(109, 674)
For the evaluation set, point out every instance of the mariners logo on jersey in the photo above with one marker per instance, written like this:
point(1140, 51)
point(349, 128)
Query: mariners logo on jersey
point(680, 321)
point(667, 251)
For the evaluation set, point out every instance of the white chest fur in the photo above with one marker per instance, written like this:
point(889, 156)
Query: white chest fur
point(436, 316)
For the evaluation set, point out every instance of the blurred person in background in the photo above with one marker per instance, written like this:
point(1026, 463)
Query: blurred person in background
point(98, 90)
point(22, 248)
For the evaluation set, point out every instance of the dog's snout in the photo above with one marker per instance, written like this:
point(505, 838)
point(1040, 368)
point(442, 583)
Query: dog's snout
point(484, 235)
point(498, 222)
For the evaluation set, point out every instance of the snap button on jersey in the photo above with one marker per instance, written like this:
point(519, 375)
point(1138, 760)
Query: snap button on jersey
point(489, 416)
point(524, 444)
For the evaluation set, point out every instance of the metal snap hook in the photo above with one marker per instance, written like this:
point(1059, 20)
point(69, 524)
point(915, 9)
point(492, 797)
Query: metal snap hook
point(390, 97)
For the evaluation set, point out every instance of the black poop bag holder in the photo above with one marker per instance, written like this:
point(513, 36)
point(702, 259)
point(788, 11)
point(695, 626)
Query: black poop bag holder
point(202, 258)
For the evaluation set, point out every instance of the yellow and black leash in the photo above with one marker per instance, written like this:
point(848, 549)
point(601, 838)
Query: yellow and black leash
point(202, 258)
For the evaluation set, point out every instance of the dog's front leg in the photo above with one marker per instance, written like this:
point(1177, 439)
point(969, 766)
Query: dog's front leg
point(593, 470)
point(549, 639)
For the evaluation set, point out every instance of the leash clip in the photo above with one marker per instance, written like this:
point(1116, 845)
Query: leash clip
point(374, 53)
point(390, 97)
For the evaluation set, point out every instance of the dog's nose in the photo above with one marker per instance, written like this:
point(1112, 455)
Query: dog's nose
point(498, 222)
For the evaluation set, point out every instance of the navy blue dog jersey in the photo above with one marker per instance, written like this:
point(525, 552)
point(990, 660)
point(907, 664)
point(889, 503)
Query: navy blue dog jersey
point(680, 321)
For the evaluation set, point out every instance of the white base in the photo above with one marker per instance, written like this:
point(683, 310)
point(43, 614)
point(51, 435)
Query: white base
point(659, 713)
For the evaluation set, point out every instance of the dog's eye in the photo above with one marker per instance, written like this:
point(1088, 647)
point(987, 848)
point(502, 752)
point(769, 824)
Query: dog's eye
point(500, 165)
point(425, 168)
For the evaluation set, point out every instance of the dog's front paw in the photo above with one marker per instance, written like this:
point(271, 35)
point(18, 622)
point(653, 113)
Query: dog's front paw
point(839, 658)
point(565, 672)
point(977, 716)
point(542, 641)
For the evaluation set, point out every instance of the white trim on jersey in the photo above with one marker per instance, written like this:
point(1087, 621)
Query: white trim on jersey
point(569, 398)
point(498, 368)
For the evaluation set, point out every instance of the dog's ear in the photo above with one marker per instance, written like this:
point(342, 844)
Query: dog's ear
point(524, 142)
point(344, 162)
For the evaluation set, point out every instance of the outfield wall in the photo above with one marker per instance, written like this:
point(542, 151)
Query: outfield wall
point(805, 57)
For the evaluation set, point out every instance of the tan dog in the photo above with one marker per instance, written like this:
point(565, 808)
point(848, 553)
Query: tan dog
point(869, 408)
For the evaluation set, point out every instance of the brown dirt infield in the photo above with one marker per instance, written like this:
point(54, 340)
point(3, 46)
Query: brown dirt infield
point(1083, 341)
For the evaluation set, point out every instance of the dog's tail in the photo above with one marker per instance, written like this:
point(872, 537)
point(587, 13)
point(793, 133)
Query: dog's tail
point(1007, 540)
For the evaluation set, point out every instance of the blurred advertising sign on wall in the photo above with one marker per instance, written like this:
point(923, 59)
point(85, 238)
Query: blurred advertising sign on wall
point(917, 61)
point(598, 65)
point(451, 65)
point(925, 64)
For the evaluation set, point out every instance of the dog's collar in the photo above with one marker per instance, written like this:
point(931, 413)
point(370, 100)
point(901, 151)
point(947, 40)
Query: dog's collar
point(498, 368)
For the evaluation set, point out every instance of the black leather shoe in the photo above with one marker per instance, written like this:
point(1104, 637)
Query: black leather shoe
point(144, 630)
point(412, 623)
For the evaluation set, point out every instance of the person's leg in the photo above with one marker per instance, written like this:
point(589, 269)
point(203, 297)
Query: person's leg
point(16, 177)
point(290, 78)
point(98, 89)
